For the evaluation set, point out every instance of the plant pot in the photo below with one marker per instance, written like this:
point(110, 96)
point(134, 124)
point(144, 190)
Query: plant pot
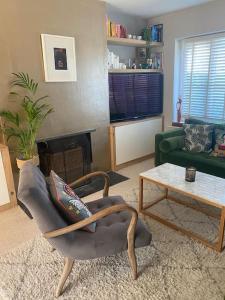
point(21, 162)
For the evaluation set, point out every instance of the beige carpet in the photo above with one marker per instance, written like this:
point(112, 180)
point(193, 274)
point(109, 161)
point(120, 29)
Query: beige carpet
point(173, 267)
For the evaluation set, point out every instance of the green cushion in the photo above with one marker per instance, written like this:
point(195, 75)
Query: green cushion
point(164, 135)
point(202, 161)
point(170, 144)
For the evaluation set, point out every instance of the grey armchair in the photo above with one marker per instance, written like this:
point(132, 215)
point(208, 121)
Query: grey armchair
point(118, 227)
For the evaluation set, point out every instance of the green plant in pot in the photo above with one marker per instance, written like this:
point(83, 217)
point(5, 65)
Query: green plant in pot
point(24, 125)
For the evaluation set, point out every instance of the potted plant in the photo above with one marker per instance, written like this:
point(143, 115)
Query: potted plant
point(25, 124)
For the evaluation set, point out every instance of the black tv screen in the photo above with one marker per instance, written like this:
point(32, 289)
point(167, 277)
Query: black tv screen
point(135, 95)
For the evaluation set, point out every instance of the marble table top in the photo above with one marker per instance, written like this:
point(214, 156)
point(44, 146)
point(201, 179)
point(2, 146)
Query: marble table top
point(206, 188)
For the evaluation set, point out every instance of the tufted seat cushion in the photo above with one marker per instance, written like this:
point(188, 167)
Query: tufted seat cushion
point(110, 236)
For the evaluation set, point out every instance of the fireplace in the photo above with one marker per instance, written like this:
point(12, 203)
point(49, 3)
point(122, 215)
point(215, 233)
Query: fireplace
point(70, 155)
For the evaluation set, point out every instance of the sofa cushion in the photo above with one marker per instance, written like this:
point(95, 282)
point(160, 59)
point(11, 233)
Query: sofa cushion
point(170, 144)
point(196, 121)
point(198, 138)
point(219, 136)
point(203, 162)
point(68, 203)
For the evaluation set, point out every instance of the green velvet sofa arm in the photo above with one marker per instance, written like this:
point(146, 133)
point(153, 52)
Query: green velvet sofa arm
point(170, 144)
point(165, 135)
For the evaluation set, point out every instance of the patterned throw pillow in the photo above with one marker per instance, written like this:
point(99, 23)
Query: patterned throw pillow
point(219, 137)
point(68, 203)
point(198, 138)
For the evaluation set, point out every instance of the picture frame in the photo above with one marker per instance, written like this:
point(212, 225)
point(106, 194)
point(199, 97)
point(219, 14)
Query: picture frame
point(142, 53)
point(59, 58)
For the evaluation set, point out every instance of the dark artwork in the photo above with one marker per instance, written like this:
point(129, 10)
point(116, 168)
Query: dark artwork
point(60, 59)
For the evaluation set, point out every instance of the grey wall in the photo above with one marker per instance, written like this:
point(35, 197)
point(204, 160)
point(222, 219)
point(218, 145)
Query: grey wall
point(133, 24)
point(202, 19)
point(78, 105)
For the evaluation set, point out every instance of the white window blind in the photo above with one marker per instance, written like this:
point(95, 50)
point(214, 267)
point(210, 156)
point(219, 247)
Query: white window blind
point(202, 80)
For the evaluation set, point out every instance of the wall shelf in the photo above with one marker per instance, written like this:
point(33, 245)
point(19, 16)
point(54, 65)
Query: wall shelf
point(126, 42)
point(156, 44)
point(132, 42)
point(135, 71)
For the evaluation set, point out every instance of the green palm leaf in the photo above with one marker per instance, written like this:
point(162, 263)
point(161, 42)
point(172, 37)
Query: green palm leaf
point(24, 126)
point(23, 80)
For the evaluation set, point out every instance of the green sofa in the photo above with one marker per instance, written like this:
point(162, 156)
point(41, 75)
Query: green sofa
point(168, 148)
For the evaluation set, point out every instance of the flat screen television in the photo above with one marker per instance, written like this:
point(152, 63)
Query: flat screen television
point(135, 95)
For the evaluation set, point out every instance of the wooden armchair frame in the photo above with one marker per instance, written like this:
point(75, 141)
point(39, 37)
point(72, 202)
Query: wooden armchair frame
point(91, 175)
point(99, 215)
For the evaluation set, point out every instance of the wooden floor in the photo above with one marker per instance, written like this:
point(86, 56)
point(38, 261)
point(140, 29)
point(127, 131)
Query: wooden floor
point(16, 228)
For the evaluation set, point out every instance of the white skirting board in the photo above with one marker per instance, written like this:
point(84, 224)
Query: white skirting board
point(133, 140)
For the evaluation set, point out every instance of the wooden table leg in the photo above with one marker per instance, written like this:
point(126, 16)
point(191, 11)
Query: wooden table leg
point(221, 231)
point(140, 200)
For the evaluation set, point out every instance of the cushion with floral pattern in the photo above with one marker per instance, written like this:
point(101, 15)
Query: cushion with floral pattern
point(69, 204)
point(198, 138)
point(219, 137)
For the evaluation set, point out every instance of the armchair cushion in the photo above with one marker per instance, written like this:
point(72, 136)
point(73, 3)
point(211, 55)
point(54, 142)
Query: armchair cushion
point(68, 203)
point(110, 236)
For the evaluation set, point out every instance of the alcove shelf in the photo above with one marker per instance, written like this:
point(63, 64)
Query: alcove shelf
point(132, 42)
point(135, 71)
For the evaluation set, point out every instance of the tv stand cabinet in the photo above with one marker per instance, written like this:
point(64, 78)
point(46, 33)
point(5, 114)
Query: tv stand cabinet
point(133, 141)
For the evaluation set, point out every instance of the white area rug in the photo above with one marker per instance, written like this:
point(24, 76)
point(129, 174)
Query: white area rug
point(173, 267)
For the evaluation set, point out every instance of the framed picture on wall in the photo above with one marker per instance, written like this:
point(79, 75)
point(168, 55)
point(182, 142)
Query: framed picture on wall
point(59, 58)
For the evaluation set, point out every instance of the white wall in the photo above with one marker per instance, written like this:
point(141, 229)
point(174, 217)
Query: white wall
point(202, 19)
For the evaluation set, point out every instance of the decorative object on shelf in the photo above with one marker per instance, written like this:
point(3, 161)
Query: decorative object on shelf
point(142, 54)
point(24, 125)
point(157, 33)
point(157, 60)
point(190, 174)
point(115, 30)
point(59, 58)
point(114, 61)
point(153, 33)
point(179, 109)
point(149, 63)
point(146, 33)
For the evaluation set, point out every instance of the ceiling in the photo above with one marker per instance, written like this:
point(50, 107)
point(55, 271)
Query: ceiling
point(150, 8)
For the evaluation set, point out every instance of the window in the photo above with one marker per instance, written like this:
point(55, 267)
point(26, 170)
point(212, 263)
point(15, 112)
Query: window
point(202, 77)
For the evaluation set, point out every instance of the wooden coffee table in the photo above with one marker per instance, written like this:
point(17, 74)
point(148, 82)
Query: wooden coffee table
point(206, 189)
